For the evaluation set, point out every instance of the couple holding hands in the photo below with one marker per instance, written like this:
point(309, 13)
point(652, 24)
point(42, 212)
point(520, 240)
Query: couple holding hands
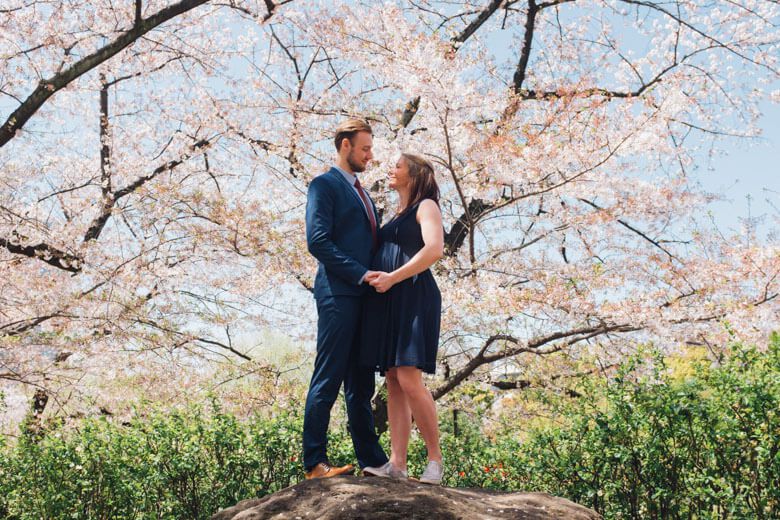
point(378, 307)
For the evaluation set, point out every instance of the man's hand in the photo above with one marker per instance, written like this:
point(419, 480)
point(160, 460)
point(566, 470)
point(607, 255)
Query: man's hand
point(370, 275)
point(381, 281)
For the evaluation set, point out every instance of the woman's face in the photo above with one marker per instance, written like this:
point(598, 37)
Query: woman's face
point(399, 175)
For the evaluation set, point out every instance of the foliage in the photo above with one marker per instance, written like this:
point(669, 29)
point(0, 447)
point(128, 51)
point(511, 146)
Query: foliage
point(707, 446)
point(648, 443)
point(184, 464)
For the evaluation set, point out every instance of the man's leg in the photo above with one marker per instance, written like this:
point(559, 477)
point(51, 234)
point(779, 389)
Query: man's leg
point(359, 384)
point(336, 324)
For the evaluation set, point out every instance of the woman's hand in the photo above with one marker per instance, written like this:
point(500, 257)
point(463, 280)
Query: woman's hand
point(381, 281)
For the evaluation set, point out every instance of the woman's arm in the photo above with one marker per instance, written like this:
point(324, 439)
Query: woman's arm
point(429, 217)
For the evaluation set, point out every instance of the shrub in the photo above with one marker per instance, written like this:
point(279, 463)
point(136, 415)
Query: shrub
point(703, 447)
point(182, 464)
point(645, 444)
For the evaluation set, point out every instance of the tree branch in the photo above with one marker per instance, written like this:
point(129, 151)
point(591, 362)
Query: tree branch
point(525, 52)
point(533, 346)
point(632, 228)
point(456, 236)
point(189, 338)
point(457, 42)
point(715, 41)
point(100, 221)
point(105, 166)
point(475, 24)
point(46, 253)
point(47, 87)
point(18, 327)
point(521, 384)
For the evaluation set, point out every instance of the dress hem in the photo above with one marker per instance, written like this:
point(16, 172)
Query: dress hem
point(428, 369)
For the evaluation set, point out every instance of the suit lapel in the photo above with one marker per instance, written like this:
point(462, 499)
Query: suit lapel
point(351, 189)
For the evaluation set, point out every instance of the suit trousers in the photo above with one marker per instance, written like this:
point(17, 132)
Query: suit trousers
point(338, 335)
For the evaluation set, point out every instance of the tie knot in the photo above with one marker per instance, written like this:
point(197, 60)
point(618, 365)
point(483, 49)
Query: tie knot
point(357, 183)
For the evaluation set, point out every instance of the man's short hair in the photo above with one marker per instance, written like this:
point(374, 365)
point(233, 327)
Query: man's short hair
point(348, 129)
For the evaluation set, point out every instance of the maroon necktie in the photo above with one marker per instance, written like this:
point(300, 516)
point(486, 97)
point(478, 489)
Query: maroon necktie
point(369, 210)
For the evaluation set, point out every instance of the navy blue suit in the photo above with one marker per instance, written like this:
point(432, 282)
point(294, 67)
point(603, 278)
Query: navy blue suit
point(338, 234)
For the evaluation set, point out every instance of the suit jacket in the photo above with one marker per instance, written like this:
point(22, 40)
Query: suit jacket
point(338, 234)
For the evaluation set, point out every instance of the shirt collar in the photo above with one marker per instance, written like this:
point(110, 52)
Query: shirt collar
point(350, 177)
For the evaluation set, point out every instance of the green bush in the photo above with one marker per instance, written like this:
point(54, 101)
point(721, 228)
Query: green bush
point(651, 446)
point(183, 464)
point(645, 444)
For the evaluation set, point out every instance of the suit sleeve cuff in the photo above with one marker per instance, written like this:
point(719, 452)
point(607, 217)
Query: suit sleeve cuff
point(362, 278)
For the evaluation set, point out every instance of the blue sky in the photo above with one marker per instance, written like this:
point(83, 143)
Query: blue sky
point(748, 170)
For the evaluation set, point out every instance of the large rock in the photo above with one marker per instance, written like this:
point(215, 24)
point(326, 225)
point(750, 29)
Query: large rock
point(373, 498)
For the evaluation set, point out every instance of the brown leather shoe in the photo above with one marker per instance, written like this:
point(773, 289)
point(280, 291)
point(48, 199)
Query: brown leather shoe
point(325, 470)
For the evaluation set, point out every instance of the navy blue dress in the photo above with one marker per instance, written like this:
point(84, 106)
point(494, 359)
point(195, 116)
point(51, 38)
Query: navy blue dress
point(400, 327)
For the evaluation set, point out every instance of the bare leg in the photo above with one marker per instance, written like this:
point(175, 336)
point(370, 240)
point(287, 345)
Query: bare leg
point(423, 408)
point(400, 419)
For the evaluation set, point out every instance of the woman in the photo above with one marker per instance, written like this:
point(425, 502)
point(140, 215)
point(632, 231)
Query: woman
point(401, 318)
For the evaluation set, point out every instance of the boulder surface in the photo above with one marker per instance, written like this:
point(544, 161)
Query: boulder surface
point(373, 498)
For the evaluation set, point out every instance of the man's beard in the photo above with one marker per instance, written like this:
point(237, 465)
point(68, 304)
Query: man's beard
point(356, 167)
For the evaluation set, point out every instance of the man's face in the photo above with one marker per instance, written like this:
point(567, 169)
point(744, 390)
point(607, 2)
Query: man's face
point(360, 151)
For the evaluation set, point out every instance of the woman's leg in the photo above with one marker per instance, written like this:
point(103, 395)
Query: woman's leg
point(423, 408)
point(400, 418)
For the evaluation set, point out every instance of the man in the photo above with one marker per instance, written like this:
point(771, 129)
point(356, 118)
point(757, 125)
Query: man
point(341, 232)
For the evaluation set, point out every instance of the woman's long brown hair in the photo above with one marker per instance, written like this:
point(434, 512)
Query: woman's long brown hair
point(423, 183)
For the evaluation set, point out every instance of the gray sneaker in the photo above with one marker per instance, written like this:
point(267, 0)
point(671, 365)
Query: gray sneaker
point(386, 470)
point(432, 473)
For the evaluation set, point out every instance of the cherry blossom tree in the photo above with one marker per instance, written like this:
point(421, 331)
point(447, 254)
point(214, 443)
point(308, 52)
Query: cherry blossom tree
point(155, 159)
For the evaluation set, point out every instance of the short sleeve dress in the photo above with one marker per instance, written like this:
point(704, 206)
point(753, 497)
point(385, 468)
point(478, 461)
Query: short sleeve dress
point(401, 326)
